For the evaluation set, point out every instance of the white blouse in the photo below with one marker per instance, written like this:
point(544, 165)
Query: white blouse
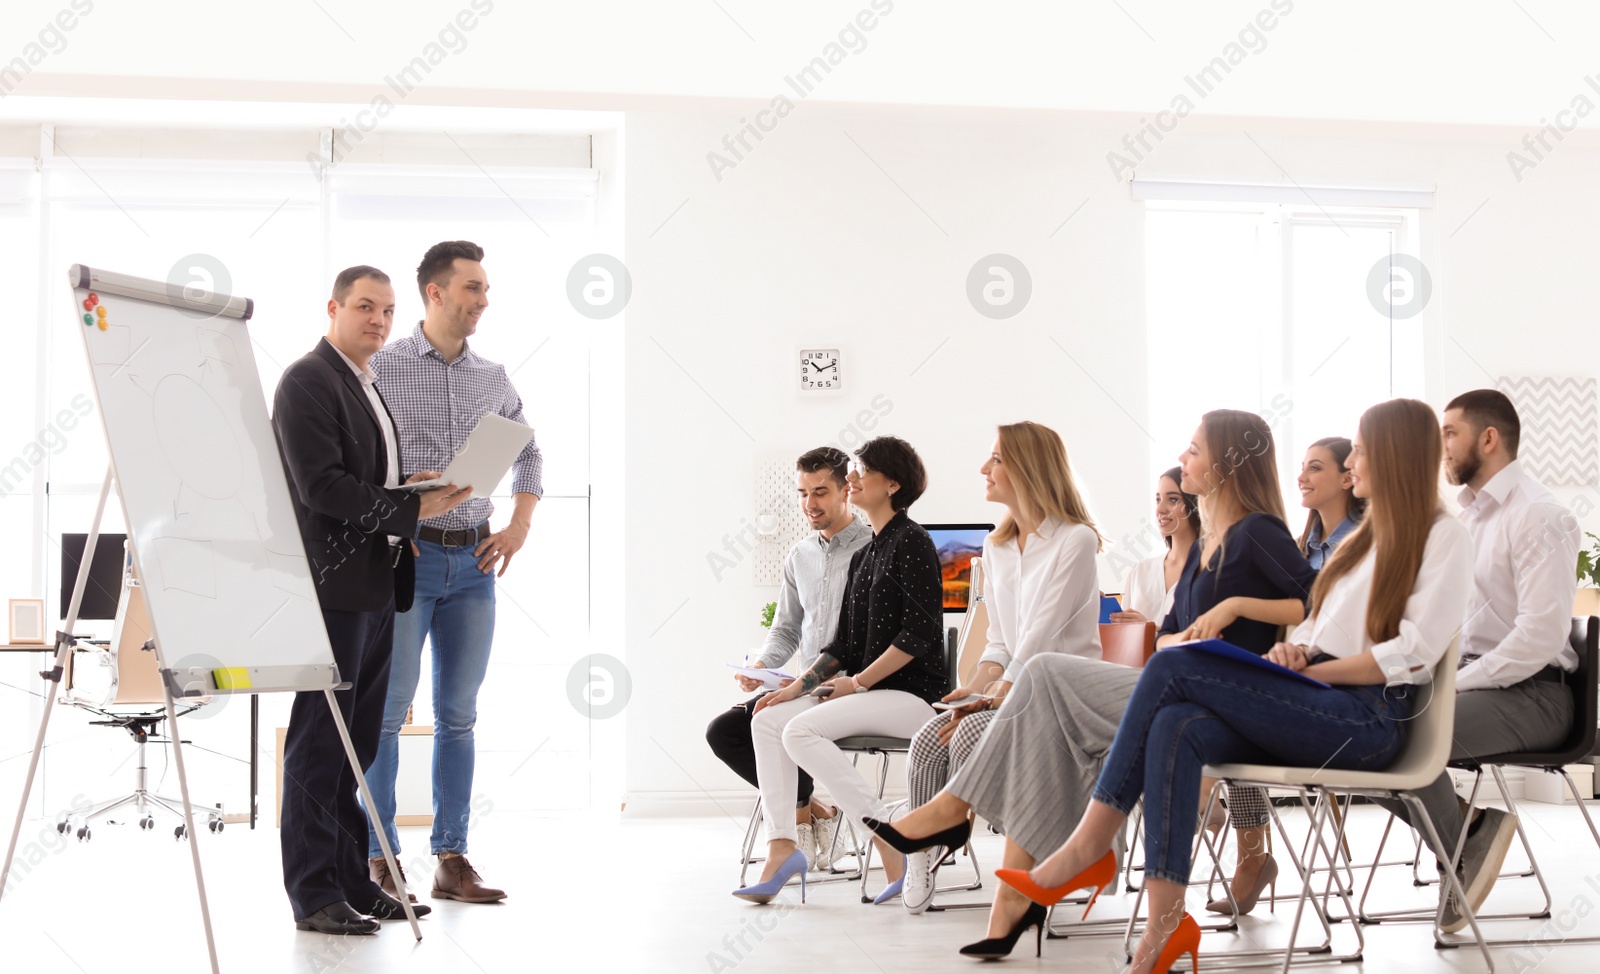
point(1042, 599)
point(1433, 616)
point(1146, 591)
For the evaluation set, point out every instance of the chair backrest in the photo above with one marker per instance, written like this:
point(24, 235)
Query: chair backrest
point(1585, 685)
point(1432, 728)
point(1127, 643)
point(974, 637)
point(132, 675)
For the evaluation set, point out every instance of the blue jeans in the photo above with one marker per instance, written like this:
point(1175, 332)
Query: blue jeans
point(454, 610)
point(1191, 709)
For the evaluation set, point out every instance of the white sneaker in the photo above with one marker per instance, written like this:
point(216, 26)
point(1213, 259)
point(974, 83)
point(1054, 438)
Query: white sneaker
point(805, 838)
point(824, 829)
point(918, 892)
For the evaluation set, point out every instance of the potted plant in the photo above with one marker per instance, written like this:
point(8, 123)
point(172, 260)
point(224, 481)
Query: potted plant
point(1587, 602)
point(771, 609)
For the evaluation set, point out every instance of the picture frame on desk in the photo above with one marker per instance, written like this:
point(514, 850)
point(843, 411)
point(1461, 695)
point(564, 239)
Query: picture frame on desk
point(25, 619)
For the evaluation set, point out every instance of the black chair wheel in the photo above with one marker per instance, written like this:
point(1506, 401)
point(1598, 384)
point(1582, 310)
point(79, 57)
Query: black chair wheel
point(63, 827)
point(215, 825)
point(84, 834)
point(180, 832)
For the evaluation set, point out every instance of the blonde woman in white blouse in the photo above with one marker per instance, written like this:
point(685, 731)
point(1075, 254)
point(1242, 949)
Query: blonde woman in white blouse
point(1147, 594)
point(1383, 614)
point(1042, 595)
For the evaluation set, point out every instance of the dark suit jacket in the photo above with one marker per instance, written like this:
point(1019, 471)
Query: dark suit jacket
point(333, 454)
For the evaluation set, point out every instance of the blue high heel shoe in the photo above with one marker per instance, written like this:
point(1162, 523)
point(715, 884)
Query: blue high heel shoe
point(893, 889)
point(767, 891)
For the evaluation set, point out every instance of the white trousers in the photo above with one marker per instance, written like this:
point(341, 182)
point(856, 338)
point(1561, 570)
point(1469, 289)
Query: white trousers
point(802, 731)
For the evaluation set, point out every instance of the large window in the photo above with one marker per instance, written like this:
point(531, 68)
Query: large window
point(276, 231)
point(1271, 308)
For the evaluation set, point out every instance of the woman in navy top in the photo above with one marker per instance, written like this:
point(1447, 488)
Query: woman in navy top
point(1245, 576)
point(1254, 580)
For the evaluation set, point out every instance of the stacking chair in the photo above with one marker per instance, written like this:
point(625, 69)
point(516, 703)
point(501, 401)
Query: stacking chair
point(1421, 760)
point(883, 748)
point(1579, 745)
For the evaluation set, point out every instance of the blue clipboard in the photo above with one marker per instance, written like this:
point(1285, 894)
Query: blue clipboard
point(1108, 605)
point(1217, 647)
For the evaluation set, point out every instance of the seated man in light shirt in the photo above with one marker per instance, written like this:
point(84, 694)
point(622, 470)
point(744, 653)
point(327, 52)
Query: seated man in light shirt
point(814, 576)
point(1513, 685)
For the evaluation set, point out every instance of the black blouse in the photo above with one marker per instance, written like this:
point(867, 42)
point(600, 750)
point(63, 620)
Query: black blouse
point(895, 597)
point(1262, 561)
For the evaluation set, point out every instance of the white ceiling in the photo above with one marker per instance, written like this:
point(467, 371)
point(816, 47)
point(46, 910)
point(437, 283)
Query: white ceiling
point(1501, 62)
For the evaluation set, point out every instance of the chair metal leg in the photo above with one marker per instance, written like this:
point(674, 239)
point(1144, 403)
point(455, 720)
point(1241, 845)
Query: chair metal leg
point(746, 857)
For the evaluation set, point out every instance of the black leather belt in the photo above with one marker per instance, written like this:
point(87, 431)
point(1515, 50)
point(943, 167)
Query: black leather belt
point(1550, 674)
point(462, 538)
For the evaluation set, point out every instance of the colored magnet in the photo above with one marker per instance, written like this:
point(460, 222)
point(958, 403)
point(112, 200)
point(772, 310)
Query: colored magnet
point(101, 311)
point(88, 303)
point(102, 324)
point(88, 319)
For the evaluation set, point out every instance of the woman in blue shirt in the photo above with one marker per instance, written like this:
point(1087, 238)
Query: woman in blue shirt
point(1326, 491)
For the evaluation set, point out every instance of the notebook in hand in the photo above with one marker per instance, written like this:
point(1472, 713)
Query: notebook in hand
point(1217, 647)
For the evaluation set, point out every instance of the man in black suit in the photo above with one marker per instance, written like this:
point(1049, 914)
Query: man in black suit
point(342, 459)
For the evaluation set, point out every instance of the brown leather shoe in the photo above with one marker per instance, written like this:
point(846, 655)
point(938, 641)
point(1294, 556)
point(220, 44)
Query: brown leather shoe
point(455, 879)
point(379, 870)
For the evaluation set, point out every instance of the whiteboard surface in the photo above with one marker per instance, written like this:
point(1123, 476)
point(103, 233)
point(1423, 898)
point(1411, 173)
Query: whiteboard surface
point(214, 536)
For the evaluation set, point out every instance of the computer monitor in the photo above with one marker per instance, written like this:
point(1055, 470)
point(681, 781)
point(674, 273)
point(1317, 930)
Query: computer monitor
point(104, 585)
point(958, 544)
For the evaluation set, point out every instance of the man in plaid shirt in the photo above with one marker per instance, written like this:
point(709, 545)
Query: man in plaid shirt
point(438, 389)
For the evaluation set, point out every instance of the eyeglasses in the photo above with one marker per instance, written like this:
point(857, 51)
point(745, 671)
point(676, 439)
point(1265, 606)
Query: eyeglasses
point(857, 468)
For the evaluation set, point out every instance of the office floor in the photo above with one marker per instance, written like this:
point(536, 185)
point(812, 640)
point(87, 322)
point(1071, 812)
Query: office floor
point(641, 896)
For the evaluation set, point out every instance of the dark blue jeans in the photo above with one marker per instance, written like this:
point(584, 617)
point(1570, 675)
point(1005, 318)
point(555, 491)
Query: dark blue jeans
point(1191, 709)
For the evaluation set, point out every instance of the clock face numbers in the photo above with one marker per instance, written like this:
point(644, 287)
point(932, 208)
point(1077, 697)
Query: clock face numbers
point(819, 370)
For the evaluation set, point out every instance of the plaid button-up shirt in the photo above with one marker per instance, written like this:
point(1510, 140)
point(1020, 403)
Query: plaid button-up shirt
point(436, 404)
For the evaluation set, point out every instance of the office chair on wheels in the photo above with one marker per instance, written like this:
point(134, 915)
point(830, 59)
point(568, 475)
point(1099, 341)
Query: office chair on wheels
point(121, 684)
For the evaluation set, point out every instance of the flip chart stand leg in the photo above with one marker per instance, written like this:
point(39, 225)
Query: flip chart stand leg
point(53, 675)
point(366, 799)
point(188, 824)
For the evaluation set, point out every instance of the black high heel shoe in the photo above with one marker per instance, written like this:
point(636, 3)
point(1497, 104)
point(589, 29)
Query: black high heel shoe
point(995, 948)
point(953, 837)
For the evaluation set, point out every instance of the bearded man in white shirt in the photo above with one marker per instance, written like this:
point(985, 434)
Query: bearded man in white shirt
point(1513, 686)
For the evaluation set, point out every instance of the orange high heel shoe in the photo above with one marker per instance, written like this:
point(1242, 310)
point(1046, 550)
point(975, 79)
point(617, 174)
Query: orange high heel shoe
point(1099, 876)
point(1184, 940)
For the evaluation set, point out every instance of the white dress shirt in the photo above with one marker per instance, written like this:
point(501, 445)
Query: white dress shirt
point(814, 575)
point(1146, 591)
point(1524, 580)
point(1044, 598)
point(391, 448)
point(1432, 618)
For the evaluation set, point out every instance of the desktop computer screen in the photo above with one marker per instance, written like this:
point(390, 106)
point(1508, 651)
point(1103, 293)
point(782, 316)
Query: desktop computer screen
point(958, 544)
point(104, 586)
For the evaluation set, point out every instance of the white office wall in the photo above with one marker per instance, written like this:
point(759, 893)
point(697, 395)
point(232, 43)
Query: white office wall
point(858, 226)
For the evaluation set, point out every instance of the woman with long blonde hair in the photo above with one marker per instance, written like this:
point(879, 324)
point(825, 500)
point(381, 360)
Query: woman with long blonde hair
point(1042, 595)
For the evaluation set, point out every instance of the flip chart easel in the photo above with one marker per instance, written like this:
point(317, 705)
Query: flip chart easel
point(232, 606)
